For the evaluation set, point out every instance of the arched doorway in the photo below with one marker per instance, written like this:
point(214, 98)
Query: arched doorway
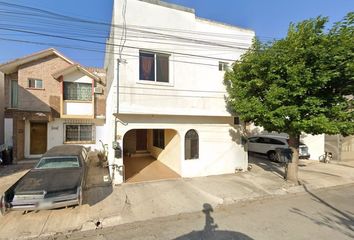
point(151, 154)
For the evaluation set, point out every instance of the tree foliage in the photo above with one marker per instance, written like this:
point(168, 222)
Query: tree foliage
point(301, 83)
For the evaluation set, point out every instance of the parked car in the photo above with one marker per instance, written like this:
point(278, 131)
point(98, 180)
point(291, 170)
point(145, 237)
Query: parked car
point(56, 181)
point(266, 144)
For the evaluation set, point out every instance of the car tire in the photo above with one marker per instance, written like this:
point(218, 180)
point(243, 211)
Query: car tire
point(3, 208)
point(272, 156)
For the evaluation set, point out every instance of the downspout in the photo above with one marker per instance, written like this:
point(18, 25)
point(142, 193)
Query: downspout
point(117, 108)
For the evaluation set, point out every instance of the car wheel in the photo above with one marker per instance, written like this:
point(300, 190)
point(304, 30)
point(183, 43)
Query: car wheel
point(3, 208)
point(272, 156)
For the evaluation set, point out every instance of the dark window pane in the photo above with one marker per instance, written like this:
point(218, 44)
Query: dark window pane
point(159, 138)
point(253, 140)
point(223, 66)
point(31, 83)
point(266, 140)
point(191, 145)
point(72, 133)
point(236, 120)
point(162, 68)
point(85, 132)
point(276, 142)
point(70, 91)
point(14, 93)
point(147, 66)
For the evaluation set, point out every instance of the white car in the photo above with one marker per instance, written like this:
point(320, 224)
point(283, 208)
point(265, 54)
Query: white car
point(267, 144)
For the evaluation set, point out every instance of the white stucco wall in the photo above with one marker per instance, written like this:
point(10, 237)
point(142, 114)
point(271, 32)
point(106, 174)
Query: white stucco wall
point(78, 108)
point(220, 151)
point(196, 84)
point(195, 88)
point(77, 77)
point(316, 144)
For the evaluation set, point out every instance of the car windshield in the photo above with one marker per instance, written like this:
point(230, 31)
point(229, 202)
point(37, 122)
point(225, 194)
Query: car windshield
point(58, 162)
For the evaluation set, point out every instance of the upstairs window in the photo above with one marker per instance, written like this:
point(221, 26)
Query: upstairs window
point(35, 83)
point(14, 94)
point(159, 138)
point(223, 66)
point(191, 147)
point(77, 91)
point(154, 67)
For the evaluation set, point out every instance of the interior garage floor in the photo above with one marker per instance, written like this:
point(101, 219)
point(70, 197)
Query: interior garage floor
point(147, 168)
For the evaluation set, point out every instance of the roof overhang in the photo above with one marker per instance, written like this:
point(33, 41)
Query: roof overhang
point(73, 68)
point(13, 65)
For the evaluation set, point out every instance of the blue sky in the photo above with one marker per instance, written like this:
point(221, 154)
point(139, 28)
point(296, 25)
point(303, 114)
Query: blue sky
point(270, 19)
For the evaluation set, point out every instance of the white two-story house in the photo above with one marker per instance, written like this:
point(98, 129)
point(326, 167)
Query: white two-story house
point(166, 106)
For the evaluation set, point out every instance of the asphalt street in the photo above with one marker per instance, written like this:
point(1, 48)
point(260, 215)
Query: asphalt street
point(321, 214)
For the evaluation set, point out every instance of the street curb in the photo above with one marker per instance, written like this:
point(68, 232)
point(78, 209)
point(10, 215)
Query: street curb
point(113, 221)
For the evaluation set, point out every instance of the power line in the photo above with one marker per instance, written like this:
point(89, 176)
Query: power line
point(64, 17)
point(110, 44)
point(96, 50)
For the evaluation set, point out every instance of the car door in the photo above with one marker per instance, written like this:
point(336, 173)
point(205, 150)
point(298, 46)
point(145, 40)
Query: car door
point(263, 145)
point(252, 144)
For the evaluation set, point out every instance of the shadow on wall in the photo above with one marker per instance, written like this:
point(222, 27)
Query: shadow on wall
point(210, 229)
point(338, 221)
point(29, 102)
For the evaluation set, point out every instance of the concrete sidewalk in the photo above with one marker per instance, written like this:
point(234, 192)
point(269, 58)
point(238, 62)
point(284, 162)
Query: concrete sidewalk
point(108, 206)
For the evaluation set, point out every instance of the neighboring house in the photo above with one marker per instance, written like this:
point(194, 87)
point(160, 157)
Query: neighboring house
point(50, 100)
point(171, 103)
point(342, 148)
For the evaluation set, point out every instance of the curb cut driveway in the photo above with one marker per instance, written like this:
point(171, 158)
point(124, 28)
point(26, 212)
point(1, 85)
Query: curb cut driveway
point(107, 206)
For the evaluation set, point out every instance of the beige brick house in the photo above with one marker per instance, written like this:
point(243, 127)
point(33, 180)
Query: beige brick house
point(50, 100)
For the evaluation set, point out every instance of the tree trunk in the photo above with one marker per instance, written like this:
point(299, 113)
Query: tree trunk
point(291, 174)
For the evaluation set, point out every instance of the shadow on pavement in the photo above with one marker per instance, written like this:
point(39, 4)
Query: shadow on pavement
point(210, 232)
point(6, 170)
point(98, 182)
point(332, 221)
point(266, 165)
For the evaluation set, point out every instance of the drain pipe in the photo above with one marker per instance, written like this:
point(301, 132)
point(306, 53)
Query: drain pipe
point(117, 101)
point(115, 144)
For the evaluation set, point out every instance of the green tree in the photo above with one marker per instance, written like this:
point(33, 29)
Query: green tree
point(301, 83)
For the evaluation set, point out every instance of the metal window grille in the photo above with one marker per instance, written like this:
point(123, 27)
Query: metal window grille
point(79, 133)
point(77, 91)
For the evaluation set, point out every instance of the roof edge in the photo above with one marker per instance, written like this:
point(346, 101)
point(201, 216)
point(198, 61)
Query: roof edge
point(33, 57)
point(224, 24)
point(170, 5)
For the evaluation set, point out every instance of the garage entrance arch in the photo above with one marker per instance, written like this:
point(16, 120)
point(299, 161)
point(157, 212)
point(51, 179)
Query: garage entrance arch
point(151, 154)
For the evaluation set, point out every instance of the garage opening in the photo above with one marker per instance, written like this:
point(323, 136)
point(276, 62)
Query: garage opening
point(151, 154)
